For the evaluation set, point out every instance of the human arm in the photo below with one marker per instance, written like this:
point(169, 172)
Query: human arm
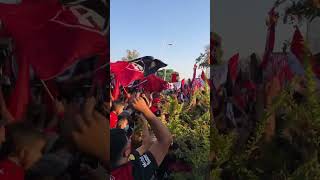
point(160, 148)
point(146, 138)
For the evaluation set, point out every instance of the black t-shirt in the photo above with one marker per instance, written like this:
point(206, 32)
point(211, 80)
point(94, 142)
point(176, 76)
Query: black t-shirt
point(140, 167)
point(144, 166)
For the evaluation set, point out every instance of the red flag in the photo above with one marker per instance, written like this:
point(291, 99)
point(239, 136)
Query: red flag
point(182, 84)
point(48, 37)
point(174, 77)
point(272, 21)
point(299, 50)
point(233, 67)
point(125, 72)
point(297, 45)
point(203, 76)
point(154, 84)
point(116, 91)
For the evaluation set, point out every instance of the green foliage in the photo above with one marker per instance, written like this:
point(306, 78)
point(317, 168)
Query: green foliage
point(131, 55)
point(300, 9)
point(168, 73)
point(191, 131)
point(203, 58)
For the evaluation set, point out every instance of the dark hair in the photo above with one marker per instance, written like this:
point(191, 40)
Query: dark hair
point(118, 141)
point(124, 115)
point(116, 104)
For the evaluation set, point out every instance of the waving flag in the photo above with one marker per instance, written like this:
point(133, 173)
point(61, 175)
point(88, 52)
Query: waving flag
point(50, 38)
point(299, 49)
point(125, 73)
point(233, 67)
point(154, 84)
point(149, 64)
point(95, 10)
point(297, 45)
point(271, 23)
point(174, 77)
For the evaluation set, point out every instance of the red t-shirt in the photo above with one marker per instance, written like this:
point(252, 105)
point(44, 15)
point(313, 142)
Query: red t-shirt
point(11, 171)
point(153, 109)
point(113, 120)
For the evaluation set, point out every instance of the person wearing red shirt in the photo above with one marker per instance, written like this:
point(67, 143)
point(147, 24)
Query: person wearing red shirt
point(117, 108)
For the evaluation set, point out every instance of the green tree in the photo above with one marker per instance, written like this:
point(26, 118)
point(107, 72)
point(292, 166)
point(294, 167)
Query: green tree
point(131, 54)
point(168, 73)
point(204, 58)
point(299, 9)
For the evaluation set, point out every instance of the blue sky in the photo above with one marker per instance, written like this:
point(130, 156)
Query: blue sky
point(150, 25)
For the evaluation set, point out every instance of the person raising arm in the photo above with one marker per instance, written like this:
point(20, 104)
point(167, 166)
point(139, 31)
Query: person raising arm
point(159, 149)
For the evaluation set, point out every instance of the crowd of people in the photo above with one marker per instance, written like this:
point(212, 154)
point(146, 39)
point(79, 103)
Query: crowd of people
point(139, 140)
point(62, 140)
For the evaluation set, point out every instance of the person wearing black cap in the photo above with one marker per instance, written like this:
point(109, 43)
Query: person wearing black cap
point(131, 165)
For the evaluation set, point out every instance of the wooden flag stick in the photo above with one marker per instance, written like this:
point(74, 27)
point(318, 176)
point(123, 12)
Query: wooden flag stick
point(47, 89)
point(101, 67)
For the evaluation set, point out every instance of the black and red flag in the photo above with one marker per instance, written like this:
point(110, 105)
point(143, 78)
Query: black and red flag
point(50, 38)
point(149, 64)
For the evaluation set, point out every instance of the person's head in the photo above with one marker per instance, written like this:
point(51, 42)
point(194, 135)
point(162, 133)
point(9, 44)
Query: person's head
point(120, 147)
point(25, 144)
point(117, 107)
point(123, 121)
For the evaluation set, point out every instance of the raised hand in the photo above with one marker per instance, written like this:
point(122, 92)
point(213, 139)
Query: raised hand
point(91, 131)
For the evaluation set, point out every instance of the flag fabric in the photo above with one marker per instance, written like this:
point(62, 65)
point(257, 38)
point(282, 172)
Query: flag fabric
point(271, 34)
point(297, 45)
point(48, 37)
point(182, 84)
point(125, 73)
point(149, 64)
point(233, 67)
point(154, 84)
point(203, 76)
point(116, 90)
point(299, 49)
point(197, 84)
point(177, 85)
point(97, 10)
point(174, 77)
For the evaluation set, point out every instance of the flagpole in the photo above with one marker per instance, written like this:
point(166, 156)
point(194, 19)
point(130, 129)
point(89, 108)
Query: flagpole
point(47, 89)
